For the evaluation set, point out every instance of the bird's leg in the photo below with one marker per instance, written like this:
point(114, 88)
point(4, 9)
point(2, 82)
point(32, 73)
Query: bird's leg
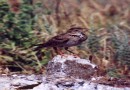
point(60, 51)
point(66, 48)
point(57, 50)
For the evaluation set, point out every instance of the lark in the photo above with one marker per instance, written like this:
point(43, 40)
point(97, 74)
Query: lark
point(73, 37)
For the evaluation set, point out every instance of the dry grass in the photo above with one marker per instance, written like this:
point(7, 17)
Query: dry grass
point(109, 32)
point(104, 18)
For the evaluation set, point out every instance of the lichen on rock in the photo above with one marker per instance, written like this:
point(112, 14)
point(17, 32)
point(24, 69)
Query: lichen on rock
point(71, 66)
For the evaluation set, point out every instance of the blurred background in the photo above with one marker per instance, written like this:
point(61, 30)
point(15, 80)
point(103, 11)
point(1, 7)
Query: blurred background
point(26, 23)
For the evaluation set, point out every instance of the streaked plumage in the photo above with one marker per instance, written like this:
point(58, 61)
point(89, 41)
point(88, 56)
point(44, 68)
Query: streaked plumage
point(74, 36)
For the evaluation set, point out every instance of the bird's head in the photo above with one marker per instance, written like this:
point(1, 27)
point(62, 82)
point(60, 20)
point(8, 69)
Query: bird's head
point(77, 29)
point(78, 32)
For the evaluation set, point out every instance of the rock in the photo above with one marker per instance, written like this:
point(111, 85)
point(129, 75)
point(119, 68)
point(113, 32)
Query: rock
point(67, 72)
point(75, 84)
point(63, 73)
point(18, 82)
point(4, 82)
point(70, 66)
point(71, 73)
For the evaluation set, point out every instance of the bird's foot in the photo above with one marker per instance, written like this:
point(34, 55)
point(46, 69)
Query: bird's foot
point(72, 53)
point(62, 54)
point(75, 55)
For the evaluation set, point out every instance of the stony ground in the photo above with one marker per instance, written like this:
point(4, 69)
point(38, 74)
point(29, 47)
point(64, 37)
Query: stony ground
point(59, 78)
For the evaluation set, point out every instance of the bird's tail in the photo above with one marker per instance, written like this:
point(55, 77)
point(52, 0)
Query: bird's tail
point(39, 52)
point(39, 47)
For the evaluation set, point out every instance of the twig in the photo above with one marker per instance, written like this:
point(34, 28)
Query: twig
point(57, 12)
point(20, 66)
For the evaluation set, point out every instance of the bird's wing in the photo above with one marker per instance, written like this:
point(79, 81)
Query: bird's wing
point(57, 41)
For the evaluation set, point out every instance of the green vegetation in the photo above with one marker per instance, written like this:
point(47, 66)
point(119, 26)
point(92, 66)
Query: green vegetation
point(17, 31)
point(31, 22)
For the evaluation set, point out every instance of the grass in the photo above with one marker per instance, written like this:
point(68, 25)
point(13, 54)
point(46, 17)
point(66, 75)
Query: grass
point(109, 31)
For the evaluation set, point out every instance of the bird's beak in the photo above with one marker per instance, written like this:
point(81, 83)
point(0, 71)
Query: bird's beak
point(85, 29)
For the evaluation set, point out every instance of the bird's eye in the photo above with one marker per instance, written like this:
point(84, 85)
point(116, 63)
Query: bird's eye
point(74, 35)
point(76, 30)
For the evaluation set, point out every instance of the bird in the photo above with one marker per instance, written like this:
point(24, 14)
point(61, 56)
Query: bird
point(73, 37)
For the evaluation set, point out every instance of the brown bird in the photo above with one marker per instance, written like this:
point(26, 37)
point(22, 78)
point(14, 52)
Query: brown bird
point(74, 36)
